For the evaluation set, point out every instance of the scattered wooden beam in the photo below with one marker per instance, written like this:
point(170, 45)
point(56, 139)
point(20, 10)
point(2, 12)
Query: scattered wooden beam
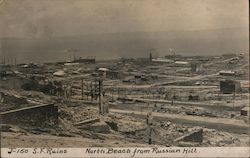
point(88, 121)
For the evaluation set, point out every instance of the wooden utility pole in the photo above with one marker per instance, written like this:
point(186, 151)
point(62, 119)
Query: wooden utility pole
point(234, 93)
point(172, 97)
point(112, 94)
point(91, 91)
point(150, 128)
point(82, 89)
point(87, 90)
point(101, 108)
point(150, 135)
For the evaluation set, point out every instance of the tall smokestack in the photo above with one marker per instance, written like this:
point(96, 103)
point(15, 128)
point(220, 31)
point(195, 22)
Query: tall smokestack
point(150, 56)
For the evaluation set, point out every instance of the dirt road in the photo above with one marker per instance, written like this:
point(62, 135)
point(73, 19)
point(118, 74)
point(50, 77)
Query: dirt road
point(30, 141)
point(230, 125)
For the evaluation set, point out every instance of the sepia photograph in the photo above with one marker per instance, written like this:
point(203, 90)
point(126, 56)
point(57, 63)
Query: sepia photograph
point(158, 76)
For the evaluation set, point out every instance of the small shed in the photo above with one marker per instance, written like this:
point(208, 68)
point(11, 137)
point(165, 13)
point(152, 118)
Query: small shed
point(195, 67)
point(59, 73)
point(230, 86)
point(244, 111)
point(227, 73)
point(103, 71)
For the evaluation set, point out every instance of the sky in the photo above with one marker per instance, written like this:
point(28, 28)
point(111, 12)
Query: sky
point(59, 18)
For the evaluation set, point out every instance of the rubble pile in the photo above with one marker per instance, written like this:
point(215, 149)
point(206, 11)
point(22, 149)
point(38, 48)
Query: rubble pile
point(77, 114)
point(12, 99)
point(126, 124)
point(181, 97)
point(218, 138)
point(98, 127)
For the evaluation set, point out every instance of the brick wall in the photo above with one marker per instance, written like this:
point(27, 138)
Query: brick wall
point(40, 115)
